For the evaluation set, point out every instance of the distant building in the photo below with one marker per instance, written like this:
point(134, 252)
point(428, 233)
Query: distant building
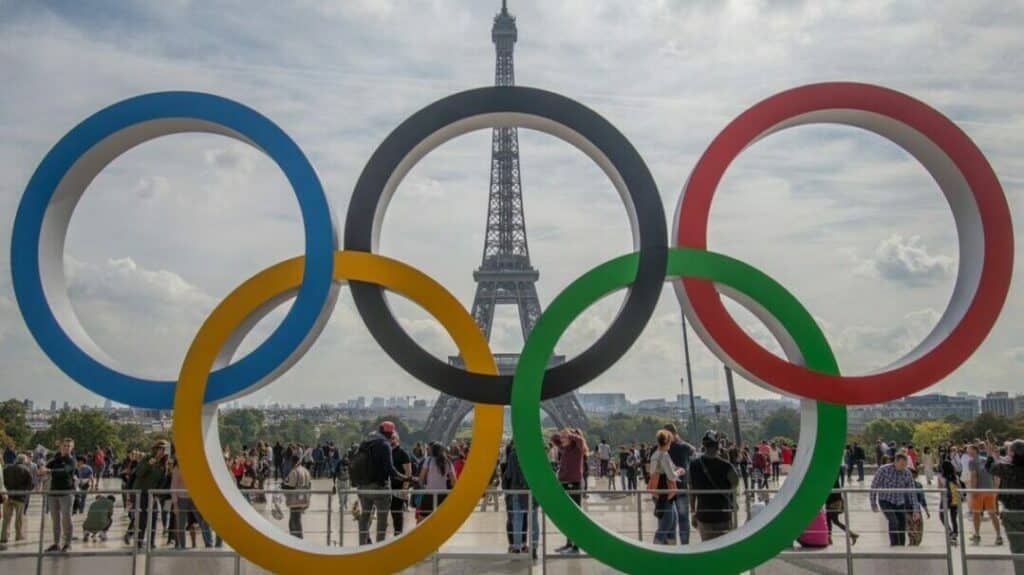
point(53, 405)
point(29, 406)
point(999, 403)
point(659, 404)
point(1018, 404)
point(378, 403)
point(604, 402)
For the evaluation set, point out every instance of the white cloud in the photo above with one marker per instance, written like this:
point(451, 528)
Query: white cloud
point(338, 77)
point(906, 260)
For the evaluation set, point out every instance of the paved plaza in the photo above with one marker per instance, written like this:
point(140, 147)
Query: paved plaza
point(479, 547)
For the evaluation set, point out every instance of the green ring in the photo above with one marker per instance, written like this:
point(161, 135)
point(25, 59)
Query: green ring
point(785, 518)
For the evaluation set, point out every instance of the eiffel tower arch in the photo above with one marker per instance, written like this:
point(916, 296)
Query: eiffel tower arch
point(505, 275)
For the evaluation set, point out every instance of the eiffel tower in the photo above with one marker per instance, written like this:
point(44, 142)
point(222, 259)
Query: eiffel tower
point(505, 276)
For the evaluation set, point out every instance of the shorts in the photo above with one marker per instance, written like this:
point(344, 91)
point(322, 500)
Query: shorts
point(983, 502)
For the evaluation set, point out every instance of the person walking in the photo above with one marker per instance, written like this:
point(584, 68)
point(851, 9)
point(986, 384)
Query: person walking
point(896, 504)
point(296, 487)
point(928, 463)
point(437, 476)
point(663, 481)
point(17, 480)
point(371, 472)
point(834, 507)
point(522, 508)
point(681, 454)
point(950, 499)
point(604, 455)
point(713, 482)
point(400, 500)
point(570, 474)
point(61, 471)
point(859, 457)
point(982, 501)
point(150, 474)
point(1010, 473)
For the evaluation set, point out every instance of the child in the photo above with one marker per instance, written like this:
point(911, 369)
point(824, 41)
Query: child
point(915, 523)
point(99, 518)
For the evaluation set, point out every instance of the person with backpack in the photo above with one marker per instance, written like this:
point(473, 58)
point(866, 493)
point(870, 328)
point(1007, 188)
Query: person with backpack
point(713, 482)
point(437, 476)
point(296, 497)
point(371, 473)
point(17, 480)
point(950, 499)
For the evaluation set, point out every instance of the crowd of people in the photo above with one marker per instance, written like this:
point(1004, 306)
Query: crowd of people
point(691, 487)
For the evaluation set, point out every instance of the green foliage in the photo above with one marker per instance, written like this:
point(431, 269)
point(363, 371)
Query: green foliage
point(88, 428)
point(1002, 427)
point(621, 429)
point(13, 422)
point(782, 425)
point(241, 427)
point(296, 430)
point(898, 430)
point(932, 433)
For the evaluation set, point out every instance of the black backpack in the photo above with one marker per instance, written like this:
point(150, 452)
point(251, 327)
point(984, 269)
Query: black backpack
point(360, 467)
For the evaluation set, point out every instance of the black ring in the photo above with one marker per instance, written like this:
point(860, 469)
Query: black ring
point(650, 219)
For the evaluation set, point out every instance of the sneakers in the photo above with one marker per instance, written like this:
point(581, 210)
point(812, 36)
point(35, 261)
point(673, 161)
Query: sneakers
point(999, 540)
point(563, 549)
point(853, 539)
point(975, 539)
point(568, 550)
point(52, 548)
point(65, 548)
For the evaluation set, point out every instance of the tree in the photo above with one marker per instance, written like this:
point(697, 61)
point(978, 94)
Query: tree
point(301, 431)
point(89, 429)
point(782, 423)
point(932, 433)
point(1002, 427)
point(887, 430)
point(241, 427)
point(14, 423)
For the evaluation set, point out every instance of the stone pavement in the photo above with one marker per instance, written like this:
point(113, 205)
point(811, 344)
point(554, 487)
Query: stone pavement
point(484, 533)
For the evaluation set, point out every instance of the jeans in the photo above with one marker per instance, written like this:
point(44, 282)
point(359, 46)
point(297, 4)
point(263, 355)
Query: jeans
point(147, 517)
point(381, 502)
point(520, 513)
point(60, 517)
point(295, 521)
point(860, 470)
point(950, 518)
point(666, 533)
point(13, 510)
point(187, 509)
point(682, 507)
point(896, 516)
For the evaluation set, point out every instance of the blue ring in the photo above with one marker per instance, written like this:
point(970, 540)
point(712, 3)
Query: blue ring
point(314, 295)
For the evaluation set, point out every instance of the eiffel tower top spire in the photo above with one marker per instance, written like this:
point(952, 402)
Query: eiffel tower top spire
point(504, 33)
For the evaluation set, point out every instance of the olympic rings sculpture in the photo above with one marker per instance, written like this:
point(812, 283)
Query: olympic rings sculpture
point(209, 376)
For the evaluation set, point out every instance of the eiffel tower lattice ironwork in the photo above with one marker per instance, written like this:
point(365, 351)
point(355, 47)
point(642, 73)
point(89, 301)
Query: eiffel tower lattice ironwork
point(505, 276)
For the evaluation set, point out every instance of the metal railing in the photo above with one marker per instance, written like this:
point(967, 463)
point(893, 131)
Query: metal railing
point(136, 517)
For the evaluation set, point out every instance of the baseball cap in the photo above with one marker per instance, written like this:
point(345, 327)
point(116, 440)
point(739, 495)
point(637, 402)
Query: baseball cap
point(387, 428)
point(710, 436)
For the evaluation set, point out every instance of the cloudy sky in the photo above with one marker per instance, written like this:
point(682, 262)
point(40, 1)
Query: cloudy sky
point(846, 220)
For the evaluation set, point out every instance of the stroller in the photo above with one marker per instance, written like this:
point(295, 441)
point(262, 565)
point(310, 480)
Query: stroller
point(99, 518)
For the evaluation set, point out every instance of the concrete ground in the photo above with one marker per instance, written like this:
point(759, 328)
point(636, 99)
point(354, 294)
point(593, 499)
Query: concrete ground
point(484, 533)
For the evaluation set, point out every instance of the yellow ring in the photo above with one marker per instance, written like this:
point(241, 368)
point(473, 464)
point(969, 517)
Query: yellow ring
point(198, 444)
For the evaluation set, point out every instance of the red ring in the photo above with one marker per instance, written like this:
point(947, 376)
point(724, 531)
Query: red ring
point(996, 230)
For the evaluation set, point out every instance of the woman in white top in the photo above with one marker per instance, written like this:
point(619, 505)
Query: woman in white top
point(663, 476)
point(437, 476)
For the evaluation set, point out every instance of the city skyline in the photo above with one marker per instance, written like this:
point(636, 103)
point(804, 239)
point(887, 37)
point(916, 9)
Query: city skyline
point(848, 222)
